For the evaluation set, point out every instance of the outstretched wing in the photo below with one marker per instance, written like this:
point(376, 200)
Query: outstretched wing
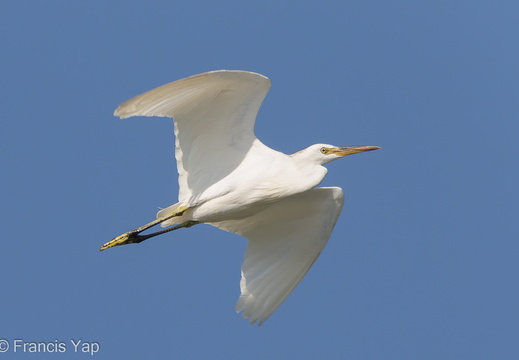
point(214, 117)
point(284, 241)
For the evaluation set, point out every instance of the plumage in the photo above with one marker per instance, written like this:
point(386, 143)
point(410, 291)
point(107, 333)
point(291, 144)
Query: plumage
point(230, 179)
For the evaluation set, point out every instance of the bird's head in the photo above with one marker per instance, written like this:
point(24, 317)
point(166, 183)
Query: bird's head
point(324, 153)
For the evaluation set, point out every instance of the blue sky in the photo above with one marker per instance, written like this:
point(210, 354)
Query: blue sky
point(423, 261)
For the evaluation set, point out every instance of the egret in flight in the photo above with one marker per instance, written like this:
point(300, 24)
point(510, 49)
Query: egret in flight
point(231, 180)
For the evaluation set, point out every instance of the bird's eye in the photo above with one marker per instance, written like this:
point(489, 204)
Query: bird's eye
point(324, 150)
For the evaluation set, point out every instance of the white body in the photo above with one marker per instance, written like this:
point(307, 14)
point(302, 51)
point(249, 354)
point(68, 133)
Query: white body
point(263, 177)
point(229, 179)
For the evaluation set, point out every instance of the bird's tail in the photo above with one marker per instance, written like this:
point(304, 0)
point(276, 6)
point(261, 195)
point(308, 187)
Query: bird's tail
point(167, 211)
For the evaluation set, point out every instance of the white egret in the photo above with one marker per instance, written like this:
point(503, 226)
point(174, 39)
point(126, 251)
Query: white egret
point(231, 180)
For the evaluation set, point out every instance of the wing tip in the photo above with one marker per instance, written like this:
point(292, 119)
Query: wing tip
point(119, 113)
point(253, 320)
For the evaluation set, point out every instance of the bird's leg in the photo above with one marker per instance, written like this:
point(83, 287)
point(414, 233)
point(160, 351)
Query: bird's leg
point(133, 237)
point(141, 238)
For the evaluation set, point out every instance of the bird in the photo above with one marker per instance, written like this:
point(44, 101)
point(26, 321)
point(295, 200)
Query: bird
point(229, 179)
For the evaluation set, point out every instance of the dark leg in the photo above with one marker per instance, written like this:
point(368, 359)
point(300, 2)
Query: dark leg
point(133, 237)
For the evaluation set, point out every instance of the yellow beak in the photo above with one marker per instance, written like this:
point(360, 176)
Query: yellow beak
point(343, 151)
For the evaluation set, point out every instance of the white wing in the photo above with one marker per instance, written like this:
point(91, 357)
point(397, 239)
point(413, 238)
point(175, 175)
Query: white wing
point(284, 242)
point(214, 117)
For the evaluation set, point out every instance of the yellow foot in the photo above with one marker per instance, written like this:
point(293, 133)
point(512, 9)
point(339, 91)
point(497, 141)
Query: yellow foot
point(132, 237)
point(126, 238)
